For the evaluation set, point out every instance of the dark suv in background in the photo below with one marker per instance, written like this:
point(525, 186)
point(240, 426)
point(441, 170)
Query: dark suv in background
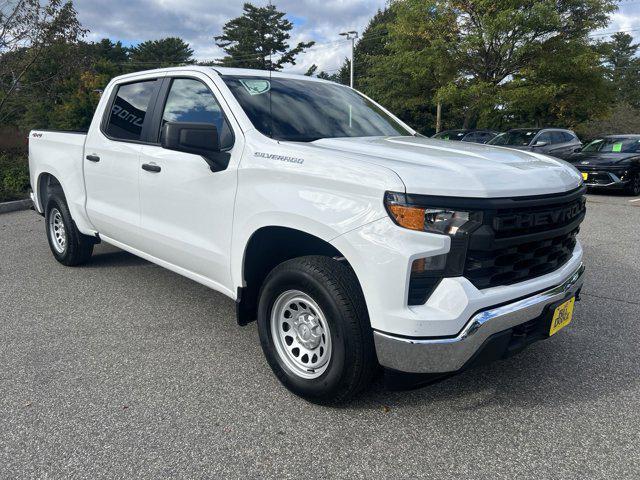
point(556, 142)
point(611, 162)
point(466, 135)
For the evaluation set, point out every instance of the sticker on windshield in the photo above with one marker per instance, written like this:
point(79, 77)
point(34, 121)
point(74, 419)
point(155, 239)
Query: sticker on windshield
point(255, 86)
point(617, 147)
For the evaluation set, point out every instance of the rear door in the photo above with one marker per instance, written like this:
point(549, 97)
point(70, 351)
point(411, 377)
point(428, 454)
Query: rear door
point(187, 209)
point(112, 160)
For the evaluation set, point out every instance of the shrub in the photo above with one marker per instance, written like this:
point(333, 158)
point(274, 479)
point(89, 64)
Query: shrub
point(13, 141)
point(14, 177)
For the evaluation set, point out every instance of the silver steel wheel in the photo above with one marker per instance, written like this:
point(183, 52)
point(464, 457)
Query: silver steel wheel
point(57, 231)
point(301, 334)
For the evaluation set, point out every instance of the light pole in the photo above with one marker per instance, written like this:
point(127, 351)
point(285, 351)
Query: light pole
point(351, 35)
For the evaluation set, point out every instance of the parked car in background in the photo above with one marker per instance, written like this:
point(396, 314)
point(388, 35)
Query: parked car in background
point(556, 142)
point(466, 135)
point(611, 162)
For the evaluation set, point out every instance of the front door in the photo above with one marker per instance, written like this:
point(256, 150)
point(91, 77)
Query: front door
point(187, 209)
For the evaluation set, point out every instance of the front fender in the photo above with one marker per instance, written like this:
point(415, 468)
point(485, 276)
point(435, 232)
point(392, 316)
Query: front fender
point(242, 235)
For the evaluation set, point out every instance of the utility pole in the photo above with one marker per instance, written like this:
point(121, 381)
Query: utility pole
point(351, 35)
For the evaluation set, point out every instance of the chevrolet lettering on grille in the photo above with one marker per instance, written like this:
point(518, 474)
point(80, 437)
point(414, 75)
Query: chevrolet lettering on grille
point(557, 216)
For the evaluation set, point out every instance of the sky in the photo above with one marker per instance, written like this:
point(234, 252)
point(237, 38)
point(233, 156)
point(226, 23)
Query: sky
point(198, 21)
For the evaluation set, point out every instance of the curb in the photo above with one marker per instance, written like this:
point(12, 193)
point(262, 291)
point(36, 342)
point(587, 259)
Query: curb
point(7, 207)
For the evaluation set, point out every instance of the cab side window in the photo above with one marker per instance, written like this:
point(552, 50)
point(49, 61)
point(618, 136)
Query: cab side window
point(129, 110)
point(190, 100)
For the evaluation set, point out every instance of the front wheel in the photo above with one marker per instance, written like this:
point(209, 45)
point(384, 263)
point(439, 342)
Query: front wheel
point(68, 245)
point(315, 331)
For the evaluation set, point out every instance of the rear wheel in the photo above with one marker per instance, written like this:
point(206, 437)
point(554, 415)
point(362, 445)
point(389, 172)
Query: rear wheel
point(68, 245)
point(634, 185)
point(315, 331)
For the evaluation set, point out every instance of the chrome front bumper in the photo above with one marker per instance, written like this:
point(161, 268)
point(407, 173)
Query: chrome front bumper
point(440, 355)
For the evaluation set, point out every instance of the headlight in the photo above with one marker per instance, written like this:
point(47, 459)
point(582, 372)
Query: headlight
point(428, 218)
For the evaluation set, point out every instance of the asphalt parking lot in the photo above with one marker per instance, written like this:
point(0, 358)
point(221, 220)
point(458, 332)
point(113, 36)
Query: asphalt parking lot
point(121, 369)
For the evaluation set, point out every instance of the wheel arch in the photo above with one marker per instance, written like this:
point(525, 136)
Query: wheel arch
point(46, 181)
point(266, 248)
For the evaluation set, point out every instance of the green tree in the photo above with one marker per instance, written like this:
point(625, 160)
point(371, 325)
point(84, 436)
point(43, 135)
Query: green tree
point(476, 56)
point(623, 118)
point(564, 89)
point(48, 83)
point(259, 39)
point(161, 53)
point(28, 29)
point(109, 51)
point(621, 59)
point(80, 93)
point(407, 66)
point(76, 111)
point(371, 45)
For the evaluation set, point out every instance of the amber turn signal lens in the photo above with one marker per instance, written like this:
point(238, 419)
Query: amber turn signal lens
point(408, 217)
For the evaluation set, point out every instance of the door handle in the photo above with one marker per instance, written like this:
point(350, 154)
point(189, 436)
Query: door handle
point(151, 167)
point(93, 158)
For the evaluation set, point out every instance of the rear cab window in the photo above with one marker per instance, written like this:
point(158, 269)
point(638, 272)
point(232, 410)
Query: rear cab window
point(129, 109)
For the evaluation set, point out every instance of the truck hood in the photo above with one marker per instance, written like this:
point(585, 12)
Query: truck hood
point(438, 167)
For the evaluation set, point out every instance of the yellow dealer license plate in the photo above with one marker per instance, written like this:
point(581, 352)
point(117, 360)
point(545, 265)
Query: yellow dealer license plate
point(585, 176)
point(562, 316)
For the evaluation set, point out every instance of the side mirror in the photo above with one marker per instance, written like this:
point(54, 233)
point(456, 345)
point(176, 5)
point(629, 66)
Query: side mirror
point(577, 150)
point(539, 144)
point(197, 138)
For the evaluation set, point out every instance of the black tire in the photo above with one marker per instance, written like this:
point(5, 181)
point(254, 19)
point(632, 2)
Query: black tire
point(333, 286)
point(634, 186)
point(78, 247)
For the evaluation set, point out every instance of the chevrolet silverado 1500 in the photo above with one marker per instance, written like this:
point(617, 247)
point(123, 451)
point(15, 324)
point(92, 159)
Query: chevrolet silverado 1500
point(352, 240)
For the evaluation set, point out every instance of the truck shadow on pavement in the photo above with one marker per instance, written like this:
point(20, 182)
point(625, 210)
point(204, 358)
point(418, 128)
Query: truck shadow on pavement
point(109, 256)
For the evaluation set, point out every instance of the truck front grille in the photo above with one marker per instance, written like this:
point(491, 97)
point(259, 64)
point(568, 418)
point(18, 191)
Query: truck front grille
point(518, 243)
point(518, 263)
point(506, 241)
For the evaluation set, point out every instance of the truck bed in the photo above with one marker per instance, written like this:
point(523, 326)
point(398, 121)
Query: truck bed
point(60, 154)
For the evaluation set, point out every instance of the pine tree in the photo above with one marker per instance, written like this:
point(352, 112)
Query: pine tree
point(162, 53)
point(259, 39)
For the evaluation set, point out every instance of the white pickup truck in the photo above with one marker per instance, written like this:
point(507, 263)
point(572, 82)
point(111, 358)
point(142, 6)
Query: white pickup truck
point(354, 241)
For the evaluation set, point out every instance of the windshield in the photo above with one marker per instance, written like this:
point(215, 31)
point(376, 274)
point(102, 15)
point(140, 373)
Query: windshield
point(614, 145)
point(518, 138)
point(307, 110)
point(457, 135)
